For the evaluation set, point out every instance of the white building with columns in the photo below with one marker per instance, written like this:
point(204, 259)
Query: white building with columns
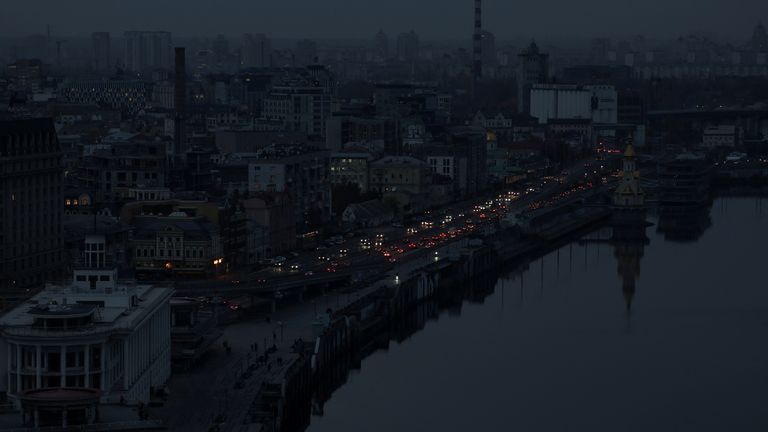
point(97, 333)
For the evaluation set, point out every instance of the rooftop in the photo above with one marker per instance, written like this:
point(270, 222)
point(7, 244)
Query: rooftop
point(122, 309)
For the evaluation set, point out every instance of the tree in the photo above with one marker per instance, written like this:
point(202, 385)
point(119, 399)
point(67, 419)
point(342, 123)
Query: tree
point(393, 203)
point(343, 195)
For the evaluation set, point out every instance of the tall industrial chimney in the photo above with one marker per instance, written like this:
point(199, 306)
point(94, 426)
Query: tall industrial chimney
point(180, 103)
point(477, 49)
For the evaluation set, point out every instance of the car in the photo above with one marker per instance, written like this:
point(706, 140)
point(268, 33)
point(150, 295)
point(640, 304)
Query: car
point(331, 269)
point(218, 301)
point(261, 281)
point(309, 273)
point(295, 267)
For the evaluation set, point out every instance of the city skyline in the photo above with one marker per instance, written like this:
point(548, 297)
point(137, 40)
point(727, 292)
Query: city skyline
point(337, 216)
point(337, 19)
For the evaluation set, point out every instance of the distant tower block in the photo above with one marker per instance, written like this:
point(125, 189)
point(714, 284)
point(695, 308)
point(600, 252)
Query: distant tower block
point(477, 48)
point(180, 101)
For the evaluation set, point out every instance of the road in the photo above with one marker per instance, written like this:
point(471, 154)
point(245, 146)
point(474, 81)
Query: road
point(218, 372)
point(366, 254)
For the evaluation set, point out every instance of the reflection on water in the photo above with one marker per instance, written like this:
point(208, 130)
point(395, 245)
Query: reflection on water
point(681, 223)
point(622, 330)
point(629, 241)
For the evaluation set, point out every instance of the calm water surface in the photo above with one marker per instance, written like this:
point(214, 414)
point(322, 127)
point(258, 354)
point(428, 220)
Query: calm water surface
point(558, 349)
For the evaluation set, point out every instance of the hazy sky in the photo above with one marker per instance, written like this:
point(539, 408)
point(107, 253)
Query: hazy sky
point(433, 19)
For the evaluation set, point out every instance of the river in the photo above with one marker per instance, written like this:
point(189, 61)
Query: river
point(610, 333)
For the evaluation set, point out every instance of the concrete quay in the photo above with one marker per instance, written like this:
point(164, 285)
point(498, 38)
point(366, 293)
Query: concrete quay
point(395, 306)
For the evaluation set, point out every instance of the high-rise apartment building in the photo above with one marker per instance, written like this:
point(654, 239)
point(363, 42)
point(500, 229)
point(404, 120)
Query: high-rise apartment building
point(256, 51)
point(533, 69)
point(102, 60)
point(408, 46)
point(305, 53)
point(148, 50)
point(381, 45)
point(31, 204)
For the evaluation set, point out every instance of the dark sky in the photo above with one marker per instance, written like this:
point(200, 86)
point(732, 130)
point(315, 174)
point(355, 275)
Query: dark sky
point(433, 19)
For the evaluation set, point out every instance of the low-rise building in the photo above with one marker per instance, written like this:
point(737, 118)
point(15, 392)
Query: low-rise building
point(344, 128)
point(94, 333)
point(302, 174)
point(399, 174)
point(368, 214)
point(275, 213)
point(125, 95)
point(461, 157)
point(175, 244)
point(350, 168)
point(598, 103)
point(720, 136)
point(115, 169)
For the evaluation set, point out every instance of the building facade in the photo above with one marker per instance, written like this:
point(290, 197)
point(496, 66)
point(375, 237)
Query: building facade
point(95, 333)
point(176, 244)
point(303, 176)
point(255, 52)
point(31, 204)
point(102, 48)
point(399, 174)
point(129, 96)
point(350, 168)
point(301, 101)
point(148, 50)
point(533, 68)
point(597, 103)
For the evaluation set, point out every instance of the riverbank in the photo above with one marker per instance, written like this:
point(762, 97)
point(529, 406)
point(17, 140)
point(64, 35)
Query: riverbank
point(370, 318)
point(658, 333)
